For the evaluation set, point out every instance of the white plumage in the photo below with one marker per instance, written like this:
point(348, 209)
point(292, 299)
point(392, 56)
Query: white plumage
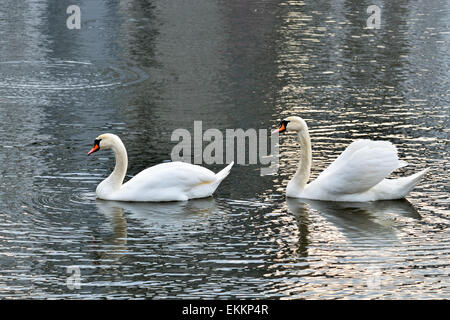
point(358, 174)
point(172, 181)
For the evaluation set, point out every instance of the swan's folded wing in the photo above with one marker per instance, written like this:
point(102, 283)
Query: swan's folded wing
point(361, 166)
point(183, 176)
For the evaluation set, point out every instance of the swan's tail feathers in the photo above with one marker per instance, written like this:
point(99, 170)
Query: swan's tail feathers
point(222, 174)
point(406, 184)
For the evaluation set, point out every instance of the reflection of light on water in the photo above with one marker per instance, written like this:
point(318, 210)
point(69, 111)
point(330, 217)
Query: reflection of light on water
point(344, 242)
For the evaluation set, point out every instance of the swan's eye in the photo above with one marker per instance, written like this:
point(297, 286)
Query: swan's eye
point(97, 142)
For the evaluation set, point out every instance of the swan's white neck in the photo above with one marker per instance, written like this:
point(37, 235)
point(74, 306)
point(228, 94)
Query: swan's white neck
point(301, 177)
point(116, 178)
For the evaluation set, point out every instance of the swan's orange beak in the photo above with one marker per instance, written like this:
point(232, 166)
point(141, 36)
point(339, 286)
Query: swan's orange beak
point(281, 128)
point(95, 148)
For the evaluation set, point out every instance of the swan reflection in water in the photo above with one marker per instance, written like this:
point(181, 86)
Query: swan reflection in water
point(117, 243)
point(155, 214)
point(356, 220)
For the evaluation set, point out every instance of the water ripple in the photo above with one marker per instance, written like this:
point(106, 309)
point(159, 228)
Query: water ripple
point(66, 75)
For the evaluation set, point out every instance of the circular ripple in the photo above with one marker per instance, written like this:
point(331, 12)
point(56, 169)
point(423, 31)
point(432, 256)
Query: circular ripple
point(66, 75)
point(61, 201)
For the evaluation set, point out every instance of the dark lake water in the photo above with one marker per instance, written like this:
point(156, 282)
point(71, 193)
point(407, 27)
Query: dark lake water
point(141, 69)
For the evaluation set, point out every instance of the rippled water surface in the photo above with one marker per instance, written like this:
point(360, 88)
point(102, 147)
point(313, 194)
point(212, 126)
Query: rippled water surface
point(142, 69)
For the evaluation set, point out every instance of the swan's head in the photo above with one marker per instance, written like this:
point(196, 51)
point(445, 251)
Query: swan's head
point(292, 123)
point(104, 141)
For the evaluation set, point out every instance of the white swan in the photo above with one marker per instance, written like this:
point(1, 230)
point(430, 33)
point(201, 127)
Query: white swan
point(358, 174)
point(172, 181)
